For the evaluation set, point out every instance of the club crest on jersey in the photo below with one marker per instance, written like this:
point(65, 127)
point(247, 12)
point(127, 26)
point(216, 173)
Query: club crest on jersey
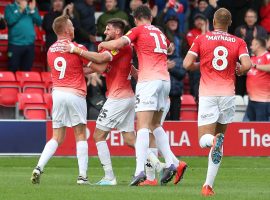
point(114, 52)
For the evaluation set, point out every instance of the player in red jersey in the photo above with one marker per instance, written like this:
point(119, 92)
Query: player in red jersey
point(218, 52)
point(152, 89)
point(258, 82)
point(119, 109)
point(69, 104)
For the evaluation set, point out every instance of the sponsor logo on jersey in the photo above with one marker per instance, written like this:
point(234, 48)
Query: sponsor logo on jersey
point(114, 52)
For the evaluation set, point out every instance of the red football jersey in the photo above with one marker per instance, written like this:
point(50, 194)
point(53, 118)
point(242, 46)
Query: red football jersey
point(218, 51)
point(258, 82)
point(151, 47)
point(192, 34)
point(66, 68)
point(118, 73)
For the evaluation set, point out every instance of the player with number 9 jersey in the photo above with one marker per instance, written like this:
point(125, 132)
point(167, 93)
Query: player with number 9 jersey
point(218, 51)
point(67, 69)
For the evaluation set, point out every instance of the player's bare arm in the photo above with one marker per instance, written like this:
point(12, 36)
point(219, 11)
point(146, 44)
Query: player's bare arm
point(189, 62)
point(89, 55)
point(134, 72)
point(94, 67)
point(113, 44)
point(265, 68)
point(245, 65)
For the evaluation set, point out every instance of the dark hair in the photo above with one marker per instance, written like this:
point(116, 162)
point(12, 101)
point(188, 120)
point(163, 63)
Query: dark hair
point(253, 11)
point(204, 1)
point(117, 23)
point(142, 12)
point(261, 41)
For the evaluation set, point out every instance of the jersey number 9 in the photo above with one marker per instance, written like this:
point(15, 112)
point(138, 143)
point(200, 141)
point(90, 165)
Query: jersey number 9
point(60, 65)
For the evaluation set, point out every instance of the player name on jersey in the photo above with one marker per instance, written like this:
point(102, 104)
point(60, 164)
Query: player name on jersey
point(221, 37)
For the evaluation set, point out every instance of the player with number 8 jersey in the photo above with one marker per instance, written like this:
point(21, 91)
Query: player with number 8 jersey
point(218, 51)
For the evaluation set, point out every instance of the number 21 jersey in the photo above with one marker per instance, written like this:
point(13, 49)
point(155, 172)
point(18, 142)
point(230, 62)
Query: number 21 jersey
point(218, 51)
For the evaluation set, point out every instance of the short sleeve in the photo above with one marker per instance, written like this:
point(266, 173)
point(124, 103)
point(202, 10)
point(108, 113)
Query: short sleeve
point(132, 34)
point(114, 54)
point(243, 50)
point(268, 58)
point(195, 47)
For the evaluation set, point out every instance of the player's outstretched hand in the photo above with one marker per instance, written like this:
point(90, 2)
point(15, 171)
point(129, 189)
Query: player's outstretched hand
point(68, 47)
point(171, 49)
point(238, 69)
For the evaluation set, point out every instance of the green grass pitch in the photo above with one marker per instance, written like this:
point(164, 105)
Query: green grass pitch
point(238, 178)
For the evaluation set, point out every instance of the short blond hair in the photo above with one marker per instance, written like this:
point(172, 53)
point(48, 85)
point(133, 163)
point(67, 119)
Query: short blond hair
point(59, 24)
point(223, 17)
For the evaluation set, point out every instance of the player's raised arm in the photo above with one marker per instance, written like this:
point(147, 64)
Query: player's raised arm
point(113, 44)
point(89, 55)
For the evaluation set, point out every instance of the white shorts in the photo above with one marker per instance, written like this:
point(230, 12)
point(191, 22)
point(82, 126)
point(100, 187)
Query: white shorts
point(117, 113)
point(152, 95)
point(166, 110)
point(216, 109)
point(68, 109)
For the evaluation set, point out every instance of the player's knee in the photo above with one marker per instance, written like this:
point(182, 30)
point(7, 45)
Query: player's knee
point(80, 137)
point(99, 136)
point(155, 126)
point(130, 142)
point(59, 140)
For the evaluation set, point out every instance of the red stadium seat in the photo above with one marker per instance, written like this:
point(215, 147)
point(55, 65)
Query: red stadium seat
point(48, 100)
point(47, 79)
point(9, 88)
point(32, 106)
point(189, 110)
point(31, 82)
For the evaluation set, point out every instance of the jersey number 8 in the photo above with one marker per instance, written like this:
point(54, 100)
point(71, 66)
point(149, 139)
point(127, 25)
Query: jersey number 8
point(223, 58)
point(60, 65)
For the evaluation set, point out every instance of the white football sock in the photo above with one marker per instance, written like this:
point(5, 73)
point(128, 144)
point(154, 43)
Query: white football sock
point(206, 140)
point(175, 160)
point(162, 142)
point(142, 144)
point(105, 159)
point(152, 162)
point(82, 156)
point(212, 170)
point(47, 153)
